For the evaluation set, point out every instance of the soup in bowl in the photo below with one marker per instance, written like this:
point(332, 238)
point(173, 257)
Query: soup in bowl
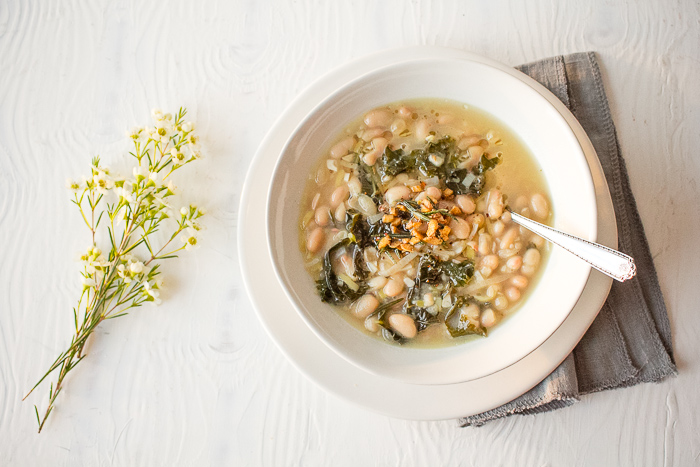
point(389, 226)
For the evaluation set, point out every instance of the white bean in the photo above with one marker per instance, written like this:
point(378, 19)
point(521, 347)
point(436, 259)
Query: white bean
point(460, 228)
point(466, 203)
point(539, 206)
point(509, 238)
point(397, 193)
point(434, 193)
point(354, 185)
point(316, 240)
point(340, 195)
point(370, 133)
point(422, 129)
point(475, 153)
point(477, 219)
point(484, 244)
point(492, 291)
point(365, 305)
point(372, 324)
point(406, 112)
point(519, 281)
point(377, 282)
point(404, 325)
point(498, 227)
point(490, 261)
point(467, 141)
point(514, 263)
point(394, 286)
point(471, 312)
point(495, 206)
point(378, 117)
point(398, 126)
point(537, 240)
point(379, 145)
point(531, 259)
point(339, 214)
point(322, 216)
point(485, 271)
point(513, 294)
point(488, 318)
point(501, 303)
point(342, 147)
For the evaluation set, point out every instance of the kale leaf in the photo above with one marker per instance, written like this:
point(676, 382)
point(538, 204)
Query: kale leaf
point(394, 162)
point(458, 273)
point(459, 180)
point(331, 288)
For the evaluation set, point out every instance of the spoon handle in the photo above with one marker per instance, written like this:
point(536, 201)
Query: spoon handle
point(617, 265)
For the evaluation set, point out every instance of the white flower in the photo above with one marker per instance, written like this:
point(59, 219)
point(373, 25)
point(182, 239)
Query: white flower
point(102, 181)
point(196, 226)
point(184, 211)
point(151, 293)
point(187, 127)
point(72, 185)
point(161, 202)
point(139, 173)
point(153, 179)
point(177, 157)
point(136, 267)
point(88, 282)
point(190, 240)
point(163, 131)
point(136, 133)
point(127, 194)
point(157, 114)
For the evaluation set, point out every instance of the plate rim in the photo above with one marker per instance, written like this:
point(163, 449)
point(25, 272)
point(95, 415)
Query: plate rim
point(360, 377)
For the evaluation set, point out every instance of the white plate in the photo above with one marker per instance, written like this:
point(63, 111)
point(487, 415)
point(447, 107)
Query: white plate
point(333, 373)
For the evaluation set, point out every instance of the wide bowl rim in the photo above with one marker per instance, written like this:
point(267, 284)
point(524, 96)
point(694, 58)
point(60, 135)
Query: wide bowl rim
point(288, 288)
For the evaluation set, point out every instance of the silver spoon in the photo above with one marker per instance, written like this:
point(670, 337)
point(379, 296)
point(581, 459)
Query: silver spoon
point(611, 262)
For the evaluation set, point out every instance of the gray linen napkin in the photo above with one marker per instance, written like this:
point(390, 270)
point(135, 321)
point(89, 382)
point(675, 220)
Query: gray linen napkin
point(630, 340)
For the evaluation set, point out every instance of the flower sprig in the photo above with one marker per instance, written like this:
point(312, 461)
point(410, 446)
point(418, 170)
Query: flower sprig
point(126, 274)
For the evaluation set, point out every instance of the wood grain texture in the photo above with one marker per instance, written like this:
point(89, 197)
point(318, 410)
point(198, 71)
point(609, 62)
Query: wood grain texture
point(196, 381)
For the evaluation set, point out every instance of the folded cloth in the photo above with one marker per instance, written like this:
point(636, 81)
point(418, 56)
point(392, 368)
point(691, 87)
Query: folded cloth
point(630, 340)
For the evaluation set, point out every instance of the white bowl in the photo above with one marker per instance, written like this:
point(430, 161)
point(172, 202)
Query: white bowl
point(477, 83)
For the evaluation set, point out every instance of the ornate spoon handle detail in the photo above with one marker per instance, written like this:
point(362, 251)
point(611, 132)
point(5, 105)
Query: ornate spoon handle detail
point(617, 265)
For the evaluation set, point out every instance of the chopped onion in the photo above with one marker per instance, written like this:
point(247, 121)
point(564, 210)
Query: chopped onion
point(332, 166)
point(341, 235)
point(375, 218)
point(400, 265)
point(468, 179)
point(470, 289)
point(432, 181)
point(353, 203)
point(366, 205)
point(350, 283)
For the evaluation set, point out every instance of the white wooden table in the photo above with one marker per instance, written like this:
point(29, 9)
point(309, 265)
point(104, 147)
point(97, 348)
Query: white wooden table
point(197, 381)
